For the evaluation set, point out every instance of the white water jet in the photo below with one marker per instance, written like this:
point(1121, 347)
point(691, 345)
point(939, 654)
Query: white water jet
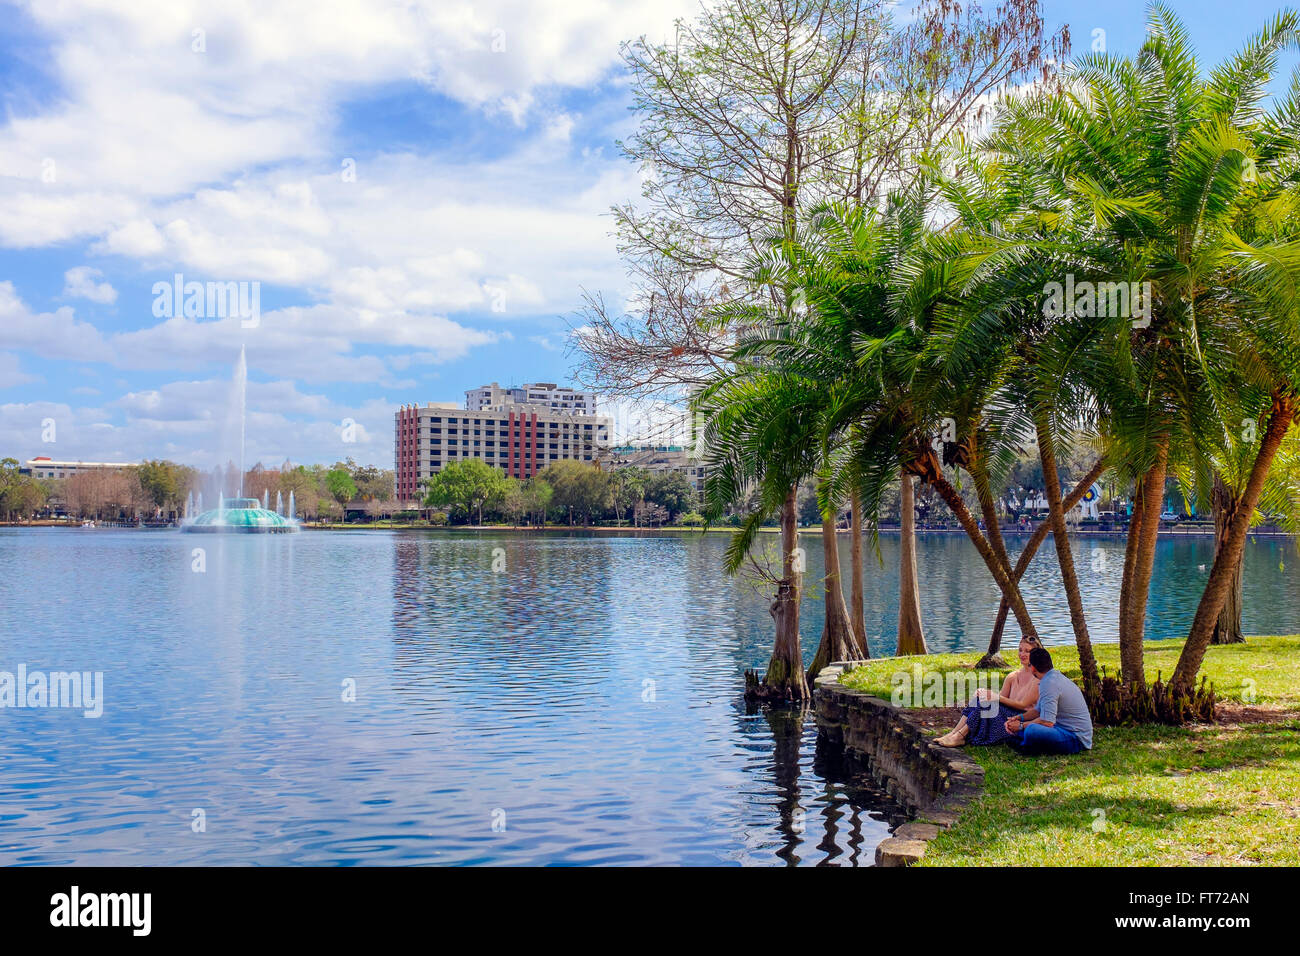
point(241, 393)
point(279, 503)
point(293, 511)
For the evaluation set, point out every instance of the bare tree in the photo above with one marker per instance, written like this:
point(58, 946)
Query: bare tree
point(756, 112)
point(760, 109)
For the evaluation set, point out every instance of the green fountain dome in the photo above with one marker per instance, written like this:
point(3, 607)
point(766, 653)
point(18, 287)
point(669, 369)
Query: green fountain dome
point(244, 515)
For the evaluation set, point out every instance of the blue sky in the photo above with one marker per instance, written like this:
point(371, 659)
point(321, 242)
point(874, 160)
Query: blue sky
point(421, 192)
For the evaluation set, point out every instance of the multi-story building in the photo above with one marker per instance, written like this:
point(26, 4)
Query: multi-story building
point(42, 467)
point(657, 459)
point(544, 394)
point(519, 438)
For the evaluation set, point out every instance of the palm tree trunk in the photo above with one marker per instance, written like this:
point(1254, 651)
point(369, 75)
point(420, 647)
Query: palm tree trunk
point(980, 477)
point(990, 658)
point(1144, 557)
point(1069, 578)
point(911, 635)
point(785, 675)
point(1227, 630)
point(1130, 560)
point(857, 612)
point(838, 641)
point(1229, 555)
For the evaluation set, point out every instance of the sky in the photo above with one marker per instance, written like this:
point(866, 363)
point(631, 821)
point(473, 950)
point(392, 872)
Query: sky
point(411, 199)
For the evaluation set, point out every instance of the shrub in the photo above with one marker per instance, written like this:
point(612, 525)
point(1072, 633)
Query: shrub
point(1114, 704)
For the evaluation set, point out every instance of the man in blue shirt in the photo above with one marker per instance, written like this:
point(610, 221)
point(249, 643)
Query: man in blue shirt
point(1059, 723)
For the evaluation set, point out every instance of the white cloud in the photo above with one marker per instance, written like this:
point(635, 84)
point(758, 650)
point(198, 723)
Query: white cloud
point(11, 372)
point(193, 422)
point(224, 164)
point(314, 343)
point(82, 283)
point(55, 334)
point(224, 161)
point(138, 239)
point(510, 238)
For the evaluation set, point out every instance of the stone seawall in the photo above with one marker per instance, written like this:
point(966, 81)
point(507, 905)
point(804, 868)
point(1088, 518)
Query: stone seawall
point(933, 783)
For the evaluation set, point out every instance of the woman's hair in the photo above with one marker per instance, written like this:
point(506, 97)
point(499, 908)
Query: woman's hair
point(1031, 640)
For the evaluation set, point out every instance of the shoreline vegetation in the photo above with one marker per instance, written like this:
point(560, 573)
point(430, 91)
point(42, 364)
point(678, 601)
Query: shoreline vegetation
point(1146, 795)
point(1175, 531)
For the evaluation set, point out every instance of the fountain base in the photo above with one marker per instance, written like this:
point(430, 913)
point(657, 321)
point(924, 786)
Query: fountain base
point(241, 516)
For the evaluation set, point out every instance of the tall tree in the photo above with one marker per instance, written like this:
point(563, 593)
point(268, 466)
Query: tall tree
point(340, 486)
point(1176, 189)
point(580, 490)
point(757, 112)
point(911, 633)
point(468, 485)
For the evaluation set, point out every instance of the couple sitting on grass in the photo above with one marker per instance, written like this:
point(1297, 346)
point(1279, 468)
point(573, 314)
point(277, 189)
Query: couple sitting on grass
point(1040, 710)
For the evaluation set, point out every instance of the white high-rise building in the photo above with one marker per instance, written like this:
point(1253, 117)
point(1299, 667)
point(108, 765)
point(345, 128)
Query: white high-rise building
point(542, 394)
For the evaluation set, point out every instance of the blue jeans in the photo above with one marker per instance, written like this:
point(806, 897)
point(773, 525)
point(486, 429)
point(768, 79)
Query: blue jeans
point(1037, 739)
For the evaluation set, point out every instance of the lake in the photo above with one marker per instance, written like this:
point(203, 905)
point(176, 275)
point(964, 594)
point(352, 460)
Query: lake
point(375, 697)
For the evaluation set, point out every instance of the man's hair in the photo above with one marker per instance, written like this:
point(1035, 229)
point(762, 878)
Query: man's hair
point(1040, 660)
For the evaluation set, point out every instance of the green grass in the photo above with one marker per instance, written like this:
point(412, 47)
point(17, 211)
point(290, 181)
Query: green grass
point(1143, 796)
point(1267, 666)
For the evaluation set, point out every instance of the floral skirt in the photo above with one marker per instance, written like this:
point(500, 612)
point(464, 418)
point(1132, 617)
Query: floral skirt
point(984, 729)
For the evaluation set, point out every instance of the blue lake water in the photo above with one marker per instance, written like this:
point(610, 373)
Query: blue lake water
point(578, 704)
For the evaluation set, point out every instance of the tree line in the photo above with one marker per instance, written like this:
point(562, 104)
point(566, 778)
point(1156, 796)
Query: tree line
point(566, 492)
point(159, 490)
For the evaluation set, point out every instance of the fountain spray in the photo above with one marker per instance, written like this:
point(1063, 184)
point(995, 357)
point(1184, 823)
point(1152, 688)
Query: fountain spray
point(241, 385)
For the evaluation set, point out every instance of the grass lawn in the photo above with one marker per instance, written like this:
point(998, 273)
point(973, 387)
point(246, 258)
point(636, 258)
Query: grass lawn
point(1155, 796)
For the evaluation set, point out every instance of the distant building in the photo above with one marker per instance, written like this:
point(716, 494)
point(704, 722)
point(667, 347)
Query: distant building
point(518, 437)
point(658, 459)
point(42, 467)
point(542, 394)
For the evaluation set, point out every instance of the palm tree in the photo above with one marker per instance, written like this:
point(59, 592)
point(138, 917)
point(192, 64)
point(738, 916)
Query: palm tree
point(888, 394)
point(1177, 183)
point(1279, 499)
point(843, 263)
point(885, 394)
point(758, 446)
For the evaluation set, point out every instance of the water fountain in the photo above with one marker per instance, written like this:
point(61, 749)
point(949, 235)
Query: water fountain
point(242, 515)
